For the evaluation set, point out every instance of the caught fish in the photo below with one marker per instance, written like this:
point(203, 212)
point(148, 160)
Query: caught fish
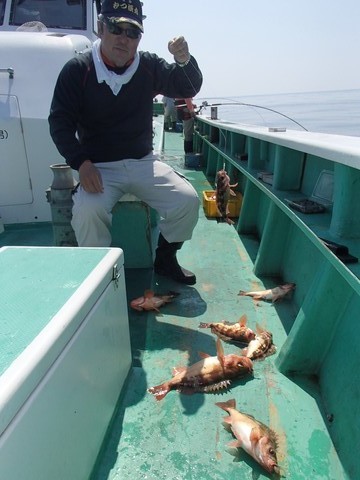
point(237, 332)
point(152, 301)
point(254, 437)
point(273, 294)
point(208, 375)
point(223, 192)
point(261, 346)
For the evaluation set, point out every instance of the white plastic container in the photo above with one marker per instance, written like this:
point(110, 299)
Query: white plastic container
point(64, 359)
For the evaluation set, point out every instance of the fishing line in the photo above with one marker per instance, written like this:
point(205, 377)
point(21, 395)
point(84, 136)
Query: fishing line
point(206, 104)
point(222, 133)
point(251, 107)
point(187, 76)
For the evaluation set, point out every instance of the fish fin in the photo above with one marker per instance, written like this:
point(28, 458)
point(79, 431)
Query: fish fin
point(137, 307)
point(243, 320)
point(226, 405)
point(255, 435)
point(242, 293)
point(259, 329)
point(215, 387)
point(244, 351)
point(220, 352)
point(223, 337)
point(204, 325)
point(227, 420)
point(177, 370)
point(232, 191)
point(159, 391)
point(234, 444)
point(148, 294)
point(204, 355)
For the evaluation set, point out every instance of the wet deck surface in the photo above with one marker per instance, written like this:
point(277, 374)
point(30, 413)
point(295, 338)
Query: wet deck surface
point(182, 436)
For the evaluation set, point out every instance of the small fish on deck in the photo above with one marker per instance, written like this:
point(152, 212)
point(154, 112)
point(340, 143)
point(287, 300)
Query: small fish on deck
point(272, 294)
point(210, 374)
point(152, 301)
point(254, 437)
point(223, 192)
point(261, 346)
point(227, 331)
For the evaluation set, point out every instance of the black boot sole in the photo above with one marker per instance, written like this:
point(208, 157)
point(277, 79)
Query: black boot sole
point(187, 280)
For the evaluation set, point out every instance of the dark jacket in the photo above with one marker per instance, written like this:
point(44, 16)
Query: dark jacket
point(110, 127)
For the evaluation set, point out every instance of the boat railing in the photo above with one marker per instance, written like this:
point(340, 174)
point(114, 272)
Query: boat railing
point(272, 170)
point(288, 165)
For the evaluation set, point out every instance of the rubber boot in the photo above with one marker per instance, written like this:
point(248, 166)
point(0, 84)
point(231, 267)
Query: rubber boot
point(173, 125)
point(167, 264)
point(188, 146)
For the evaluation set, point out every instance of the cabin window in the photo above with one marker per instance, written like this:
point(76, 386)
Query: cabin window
point(2, 10)
point(65, 14)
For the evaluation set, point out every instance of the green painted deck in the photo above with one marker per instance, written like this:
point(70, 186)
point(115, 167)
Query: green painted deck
point(305, 392)
point(182, 437)
point(36, 234)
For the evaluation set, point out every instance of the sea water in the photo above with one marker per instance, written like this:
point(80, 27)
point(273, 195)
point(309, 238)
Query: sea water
point(335, 112)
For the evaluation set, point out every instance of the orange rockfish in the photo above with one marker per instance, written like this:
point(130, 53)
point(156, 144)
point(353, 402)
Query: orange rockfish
point(273, 294)
point(261, 346)
point(152, 301)
point(223, 192)
point(254, 437)
point(237, 332)
point(208, 375)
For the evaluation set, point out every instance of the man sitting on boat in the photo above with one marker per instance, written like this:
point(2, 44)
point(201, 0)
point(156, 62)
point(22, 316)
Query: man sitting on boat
point(101, 123)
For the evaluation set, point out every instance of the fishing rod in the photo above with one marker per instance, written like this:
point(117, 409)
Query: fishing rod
point(221, 104)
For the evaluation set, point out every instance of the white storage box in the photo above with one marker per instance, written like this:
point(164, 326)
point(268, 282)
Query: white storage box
point(64, 359)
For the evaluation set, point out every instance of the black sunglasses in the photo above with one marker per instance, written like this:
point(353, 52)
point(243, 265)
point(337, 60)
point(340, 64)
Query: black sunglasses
point(114, 29)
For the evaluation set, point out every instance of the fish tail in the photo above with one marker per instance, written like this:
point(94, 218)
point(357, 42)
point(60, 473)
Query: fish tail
point(227, 405)
point(159, 391)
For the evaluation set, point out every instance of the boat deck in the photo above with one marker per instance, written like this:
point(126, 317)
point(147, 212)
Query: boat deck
point(182, 436)
point(36, 234)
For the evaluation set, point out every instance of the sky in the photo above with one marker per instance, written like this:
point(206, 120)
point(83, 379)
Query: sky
point(255, 47)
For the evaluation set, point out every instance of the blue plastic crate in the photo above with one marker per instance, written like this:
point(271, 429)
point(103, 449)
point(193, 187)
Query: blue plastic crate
point(193, 160)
